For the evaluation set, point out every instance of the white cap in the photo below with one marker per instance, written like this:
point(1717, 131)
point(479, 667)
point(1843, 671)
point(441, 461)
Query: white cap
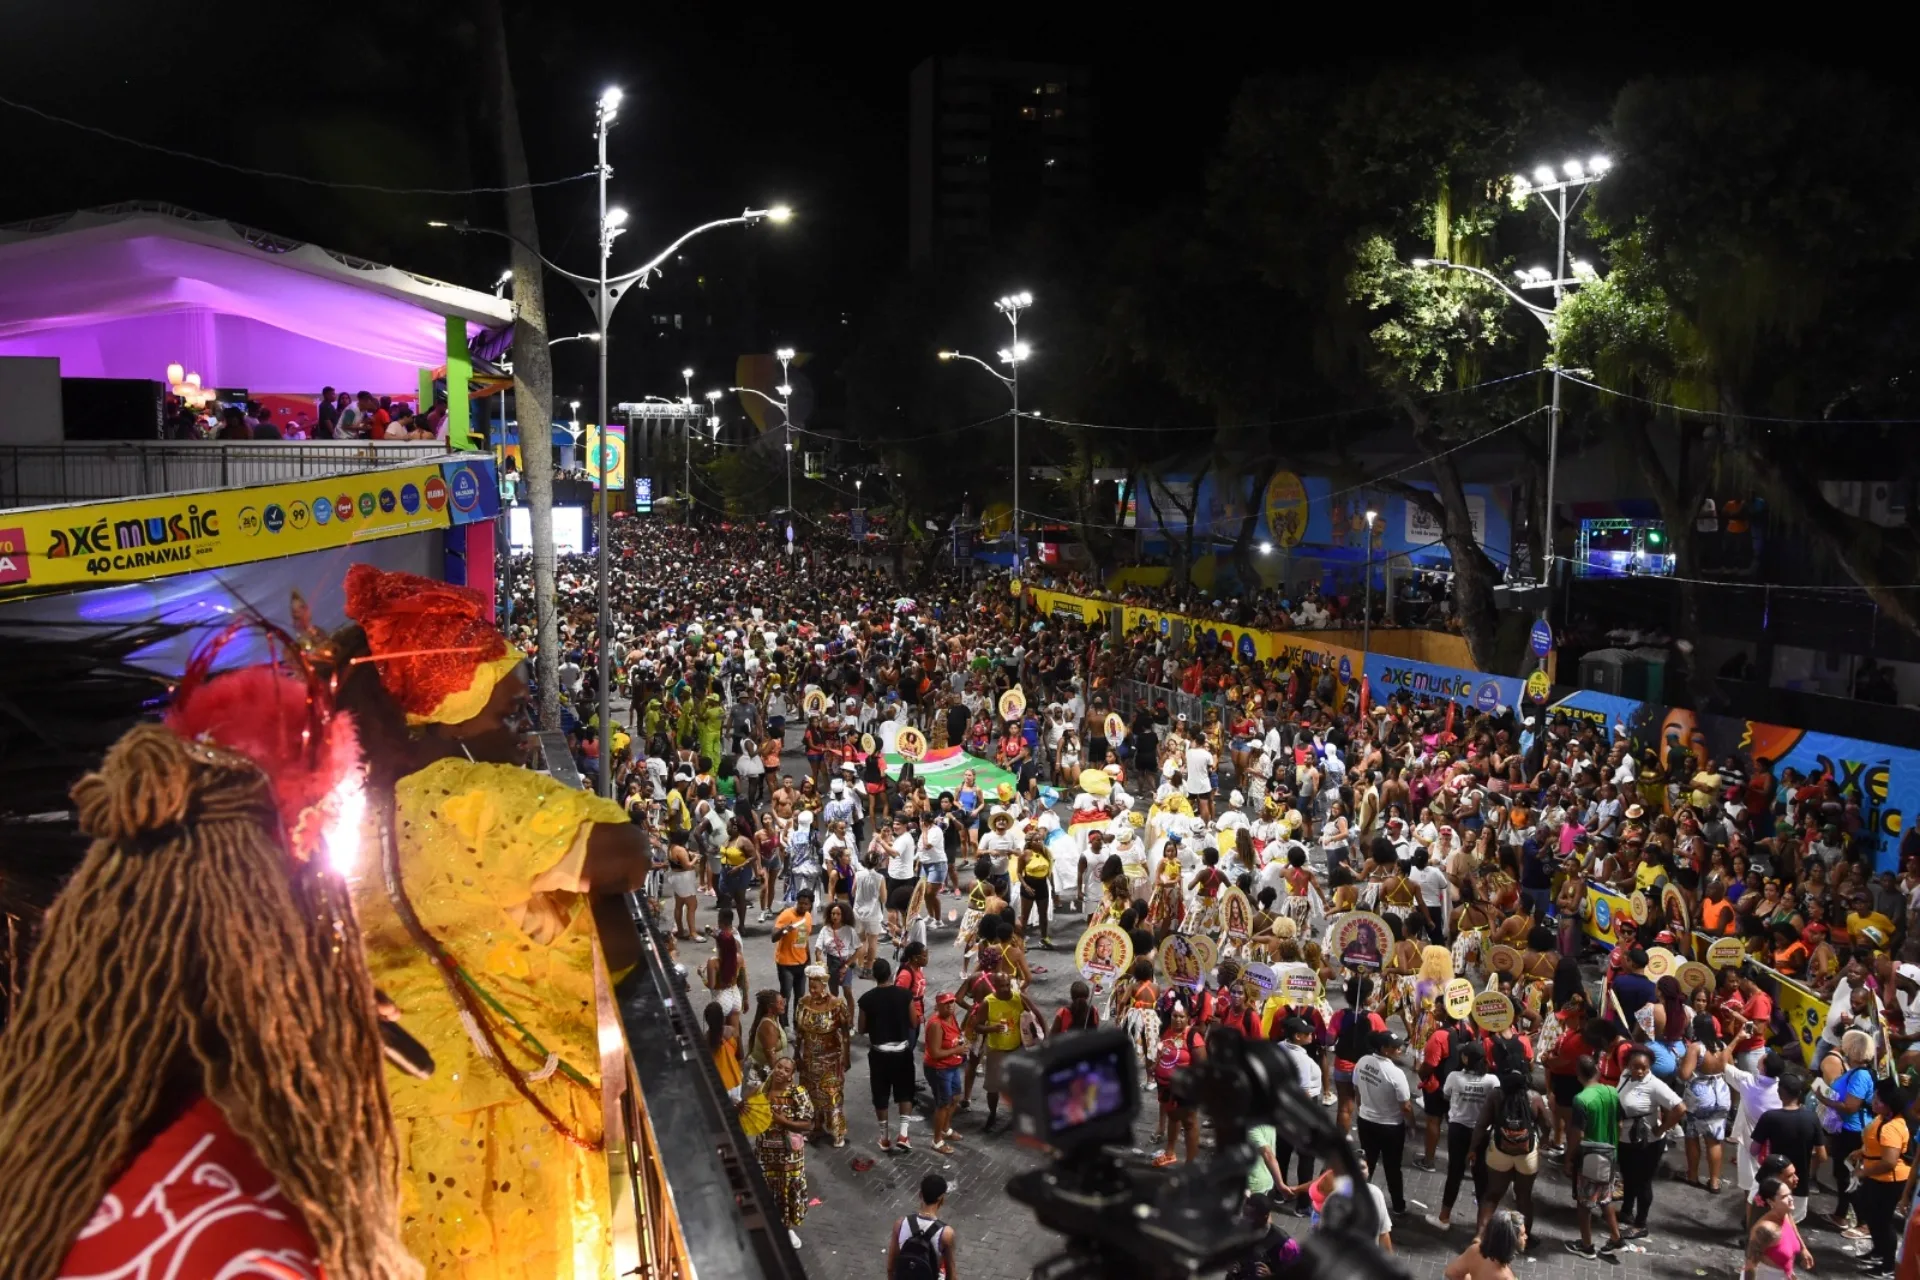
point(806, 817)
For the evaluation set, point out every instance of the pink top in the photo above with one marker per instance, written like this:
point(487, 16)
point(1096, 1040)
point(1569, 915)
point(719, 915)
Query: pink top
point(1785, 1248)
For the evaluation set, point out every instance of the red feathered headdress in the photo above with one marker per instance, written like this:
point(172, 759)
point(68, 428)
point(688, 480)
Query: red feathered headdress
point(282, 718)
point(438, 653)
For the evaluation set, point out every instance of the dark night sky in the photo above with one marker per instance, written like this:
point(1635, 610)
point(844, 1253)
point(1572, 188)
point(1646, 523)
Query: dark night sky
point(726, 106)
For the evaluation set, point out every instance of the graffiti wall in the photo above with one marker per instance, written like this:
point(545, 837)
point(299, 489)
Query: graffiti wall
point(1883, 780)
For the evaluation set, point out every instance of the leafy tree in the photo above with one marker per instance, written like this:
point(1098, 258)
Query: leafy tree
point(1762, 227)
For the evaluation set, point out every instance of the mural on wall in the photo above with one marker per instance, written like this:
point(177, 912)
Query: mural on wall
point(1307, 513)
point(1882, 780)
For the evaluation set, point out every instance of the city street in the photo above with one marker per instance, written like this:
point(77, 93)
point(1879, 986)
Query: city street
point(1693, 1232)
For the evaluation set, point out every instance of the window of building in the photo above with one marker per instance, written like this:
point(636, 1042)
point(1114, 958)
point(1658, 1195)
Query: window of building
point(1053, 88)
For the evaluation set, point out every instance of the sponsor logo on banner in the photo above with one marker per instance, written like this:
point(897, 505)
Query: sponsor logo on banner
point(436, 490)
point(1487, 696)
point(13, 556)
point(466, 490)
point(343, 508)
point(137, 539)
point(366, 505)
point(409, 498)
point(1346, 669)
point(387, 501)
point(1246, 647)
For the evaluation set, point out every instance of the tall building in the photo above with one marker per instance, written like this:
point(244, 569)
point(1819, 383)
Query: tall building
point(993, 144)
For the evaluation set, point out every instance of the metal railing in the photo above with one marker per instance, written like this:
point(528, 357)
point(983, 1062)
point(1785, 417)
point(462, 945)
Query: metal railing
point(41, 475)
point(690, 1199)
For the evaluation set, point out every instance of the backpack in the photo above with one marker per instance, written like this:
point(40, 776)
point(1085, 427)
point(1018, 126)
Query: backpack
point(1513, 1133)
point(919, 1257)
point(1458, 1036)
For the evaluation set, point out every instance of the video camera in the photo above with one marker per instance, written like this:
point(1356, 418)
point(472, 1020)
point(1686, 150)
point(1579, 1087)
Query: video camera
point(1077, 1096)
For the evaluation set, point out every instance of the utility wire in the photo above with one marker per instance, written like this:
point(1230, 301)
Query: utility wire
point(283, 177)
point(1744, 417)
point(1355, 488)
point(1328, 416)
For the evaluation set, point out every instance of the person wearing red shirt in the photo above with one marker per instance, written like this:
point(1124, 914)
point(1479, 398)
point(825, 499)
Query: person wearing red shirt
point(913, 976)
point(1756, 1007)
point(946, 1052)
point(1447, 1033)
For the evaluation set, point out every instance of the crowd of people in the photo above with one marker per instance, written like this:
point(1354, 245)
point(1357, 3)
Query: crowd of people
point(1472, 839)
point(334, 416)
point(1492, 947)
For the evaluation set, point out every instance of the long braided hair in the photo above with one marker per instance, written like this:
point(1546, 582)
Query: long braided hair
point(190, 954)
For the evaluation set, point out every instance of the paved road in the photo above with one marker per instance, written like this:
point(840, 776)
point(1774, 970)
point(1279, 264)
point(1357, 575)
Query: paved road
point(844, 1237)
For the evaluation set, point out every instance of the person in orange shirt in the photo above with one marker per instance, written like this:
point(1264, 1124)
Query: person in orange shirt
point(1882, 1168)
point(1789, 952)
point(1716, 913)
point(791, 933)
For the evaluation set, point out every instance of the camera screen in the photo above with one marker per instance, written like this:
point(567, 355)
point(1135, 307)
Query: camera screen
point(1085, 1090)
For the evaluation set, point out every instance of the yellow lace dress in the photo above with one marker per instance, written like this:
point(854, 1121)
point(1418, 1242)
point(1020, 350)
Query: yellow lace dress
point(490, 857)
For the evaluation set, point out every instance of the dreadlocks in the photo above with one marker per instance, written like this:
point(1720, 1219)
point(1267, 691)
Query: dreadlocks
point(189, 953)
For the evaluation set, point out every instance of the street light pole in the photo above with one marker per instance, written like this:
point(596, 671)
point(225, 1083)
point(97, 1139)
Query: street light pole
point(610, 224)
point(1553, 188)
point(686, 490)
point(1366, 619)
point(1012, 356)
point(785, 356)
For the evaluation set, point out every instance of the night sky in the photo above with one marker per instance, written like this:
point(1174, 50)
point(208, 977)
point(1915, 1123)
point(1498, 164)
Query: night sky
point(726, 106)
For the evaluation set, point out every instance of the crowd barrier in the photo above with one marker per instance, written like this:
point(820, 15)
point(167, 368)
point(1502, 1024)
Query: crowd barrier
point(1802, 1011)
point(1388, 671)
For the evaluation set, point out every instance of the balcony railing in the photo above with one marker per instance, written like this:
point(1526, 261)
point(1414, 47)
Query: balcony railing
point(42, 475)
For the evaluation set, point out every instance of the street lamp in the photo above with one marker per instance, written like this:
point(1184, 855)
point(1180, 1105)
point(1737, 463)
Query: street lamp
point(1366, 618)
point(574, 337)
point(686, 490)
point(785, 356)
point(713, 413)
point(1560, 195)
point(1011, 355)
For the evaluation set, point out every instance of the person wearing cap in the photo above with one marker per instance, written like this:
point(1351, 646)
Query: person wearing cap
point(1385, 1104)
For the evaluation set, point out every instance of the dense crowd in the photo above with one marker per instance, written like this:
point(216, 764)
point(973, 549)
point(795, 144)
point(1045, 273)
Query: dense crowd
point(1295, 863)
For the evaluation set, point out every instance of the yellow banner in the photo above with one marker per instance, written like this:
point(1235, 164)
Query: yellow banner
point(1806, 1013)
point(1608, 915)
point(136, 539)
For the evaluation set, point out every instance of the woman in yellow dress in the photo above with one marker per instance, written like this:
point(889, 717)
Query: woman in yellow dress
point(476, 928)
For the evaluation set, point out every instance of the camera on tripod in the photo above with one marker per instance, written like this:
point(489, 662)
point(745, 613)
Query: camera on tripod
point(1078, 1096)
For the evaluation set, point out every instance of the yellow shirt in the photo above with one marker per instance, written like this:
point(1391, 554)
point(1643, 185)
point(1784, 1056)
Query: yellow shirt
point(1645, 874)
point(1038, 865)
point(1007, 1011)
point(1874, 920)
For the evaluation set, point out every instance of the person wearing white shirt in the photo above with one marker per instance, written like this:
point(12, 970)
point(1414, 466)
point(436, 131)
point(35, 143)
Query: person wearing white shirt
point(1200, 763)
point(1383, 1095)
point(1297, 1034)
point(903, 866)
point(1436, 893)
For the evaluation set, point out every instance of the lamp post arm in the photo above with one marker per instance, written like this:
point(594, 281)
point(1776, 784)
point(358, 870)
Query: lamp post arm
point(1543, 314)
point(639, 274)
point(961, 355)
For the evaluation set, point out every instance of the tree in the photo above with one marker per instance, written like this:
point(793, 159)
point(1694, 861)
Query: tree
point(1764, 232)
point(1327, 189)
point(532, 363)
